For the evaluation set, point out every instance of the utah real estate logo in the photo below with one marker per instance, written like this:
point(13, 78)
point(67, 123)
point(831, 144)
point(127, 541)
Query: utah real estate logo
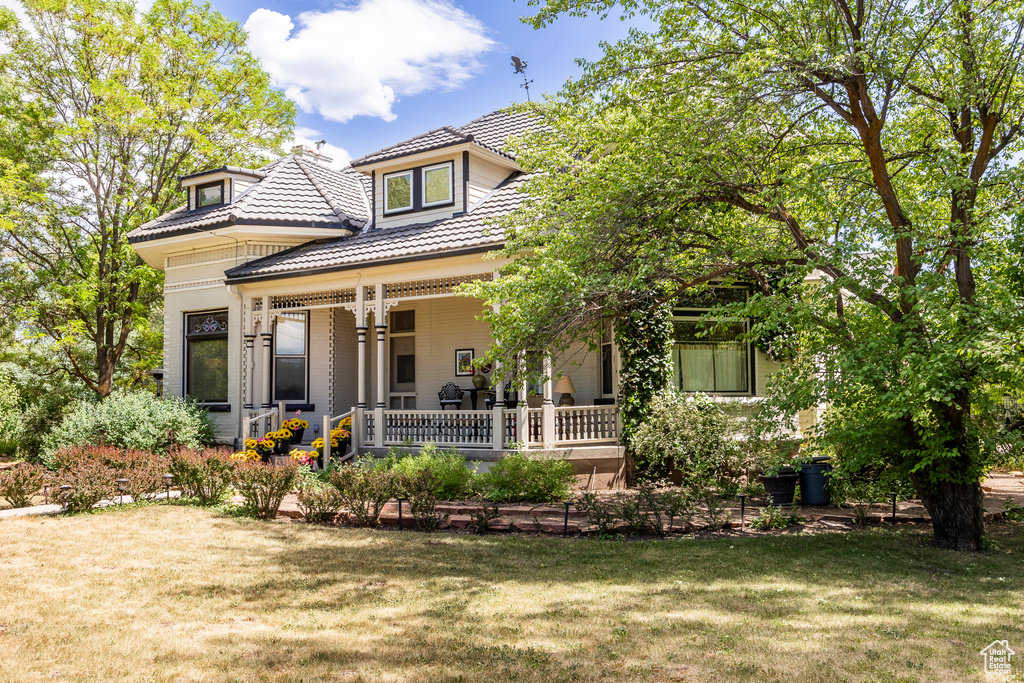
point(997, 657)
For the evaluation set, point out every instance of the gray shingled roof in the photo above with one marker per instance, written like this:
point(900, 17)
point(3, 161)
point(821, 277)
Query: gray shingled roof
point(490, 131)
point(293, 191)
point(467, 232)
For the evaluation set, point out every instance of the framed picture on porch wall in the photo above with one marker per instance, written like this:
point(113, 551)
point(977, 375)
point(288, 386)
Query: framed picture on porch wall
point(463, 362)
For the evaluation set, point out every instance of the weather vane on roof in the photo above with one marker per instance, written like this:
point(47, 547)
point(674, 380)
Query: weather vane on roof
point(520, 67)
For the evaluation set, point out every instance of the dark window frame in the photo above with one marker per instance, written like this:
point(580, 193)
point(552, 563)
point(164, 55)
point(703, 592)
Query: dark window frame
point(188, 337)
point(689, 310)
point(418, 189)
point(223, 194)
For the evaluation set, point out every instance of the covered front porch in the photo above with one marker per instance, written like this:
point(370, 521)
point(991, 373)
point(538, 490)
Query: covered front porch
point(380, 354)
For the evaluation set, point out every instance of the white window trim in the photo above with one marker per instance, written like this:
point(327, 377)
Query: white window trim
point(274, 355)
point(451, 183)
point(411, 187)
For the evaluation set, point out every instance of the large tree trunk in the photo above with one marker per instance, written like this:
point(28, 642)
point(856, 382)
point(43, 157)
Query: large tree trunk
point(958, 514)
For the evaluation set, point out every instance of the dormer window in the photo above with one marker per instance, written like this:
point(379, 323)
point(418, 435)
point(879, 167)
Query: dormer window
point(437, 184)
point(211, 194)
point(398, 192)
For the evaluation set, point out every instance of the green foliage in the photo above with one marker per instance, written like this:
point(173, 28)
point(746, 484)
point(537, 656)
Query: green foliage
point(20, 483)
point(90, 477)
point(689, 434)
point(1014, 512)
point(135, 419)
point(10, 416)
point(103, 108)
point(644, 341)
point(773, 517)
point(453, 479)
point(518, 478)
point(600, 511)
point(263, 486)
point(483, 517)
point(319, 502)
point(421, 489)
point(365, 490)
point(654, 509)
point(204, 475)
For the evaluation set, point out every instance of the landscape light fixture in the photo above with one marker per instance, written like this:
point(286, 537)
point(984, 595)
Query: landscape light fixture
point(65, 489)
point(400, 513)
point(892, 494)
point(168, 480)
point(743, 508)
point(122, 484)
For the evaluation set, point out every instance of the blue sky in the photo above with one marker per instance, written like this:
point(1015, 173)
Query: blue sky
point(369, 73)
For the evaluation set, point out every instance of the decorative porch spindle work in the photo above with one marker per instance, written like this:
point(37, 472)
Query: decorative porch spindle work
point(451, 428)
point(441, 286)
point(511, 418)
point(334, 297)
point(586, 424)
point(534, 425)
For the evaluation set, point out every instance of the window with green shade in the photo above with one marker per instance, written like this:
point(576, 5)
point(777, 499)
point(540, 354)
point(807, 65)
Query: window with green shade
point(437, 184)
point(206, 356)
point(290, 357)
point(398, 192)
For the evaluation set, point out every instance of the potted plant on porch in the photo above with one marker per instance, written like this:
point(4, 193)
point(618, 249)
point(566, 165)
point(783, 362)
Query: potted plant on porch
point(780, 484)
point(297, 426)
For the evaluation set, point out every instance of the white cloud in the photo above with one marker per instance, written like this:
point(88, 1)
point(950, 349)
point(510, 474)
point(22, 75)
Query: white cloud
point(359, 58)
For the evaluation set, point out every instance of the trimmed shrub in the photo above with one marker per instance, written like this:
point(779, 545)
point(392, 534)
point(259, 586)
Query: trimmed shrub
point(517, 478)
point(421, 490)
point(365, 490)
point(136, 419)
point(143, 470)
point(600, 511)
point(453, 480)
point(203, 475)
point(264, 486)
point(90, 478)
point(320, 502)
point(19, 483)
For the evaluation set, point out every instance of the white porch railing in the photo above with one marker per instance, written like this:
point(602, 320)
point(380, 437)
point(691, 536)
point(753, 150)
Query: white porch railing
point(258, 424)
point(590, 424)
point(445, 427)
point(328, 424)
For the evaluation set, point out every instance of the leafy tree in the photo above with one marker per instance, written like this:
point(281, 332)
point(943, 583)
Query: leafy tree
point(869, 143)
point(114, 105)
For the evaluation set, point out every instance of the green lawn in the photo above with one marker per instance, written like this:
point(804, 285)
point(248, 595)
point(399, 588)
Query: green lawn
point(171, 593)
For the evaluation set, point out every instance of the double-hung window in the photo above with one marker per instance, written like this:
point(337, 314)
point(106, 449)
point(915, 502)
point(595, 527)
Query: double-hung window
point(290, 351)
point(206, 356)
point(710, 355)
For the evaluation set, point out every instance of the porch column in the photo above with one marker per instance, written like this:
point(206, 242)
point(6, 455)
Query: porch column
point(523, 418)
point(381, 364)
point(249, 368)
point(498, 417)
point(548, 427)
point(361, 367)
point(267, 337)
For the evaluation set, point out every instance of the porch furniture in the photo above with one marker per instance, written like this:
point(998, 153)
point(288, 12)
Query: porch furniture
point(474, 393)
point(451, 395)
point(511, 398)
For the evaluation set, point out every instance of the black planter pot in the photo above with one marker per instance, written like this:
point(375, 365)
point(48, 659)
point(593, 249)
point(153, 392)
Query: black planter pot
point(780, 487)
point(814, 484)
point(266, 456)
point(320, 461)
point(281, 447)
point(297, 435)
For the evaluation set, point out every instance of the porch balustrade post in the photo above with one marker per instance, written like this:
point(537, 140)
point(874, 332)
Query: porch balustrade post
point(358, 428)
point(548, 426)
point(281, 417)
point(523, 418)
point(498, 417)
point(266, 337)
point(327, 440)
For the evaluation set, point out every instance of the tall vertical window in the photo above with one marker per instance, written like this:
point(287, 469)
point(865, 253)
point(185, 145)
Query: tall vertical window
point(290, 357)
point(607, 386)
point(710, 355)
point(403, 360)
point(206, 356)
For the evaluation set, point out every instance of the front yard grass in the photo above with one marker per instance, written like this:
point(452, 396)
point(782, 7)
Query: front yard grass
point(172, 593)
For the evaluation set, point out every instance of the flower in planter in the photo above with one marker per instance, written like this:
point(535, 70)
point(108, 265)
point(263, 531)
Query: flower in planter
point(266, 443)
point(247, 455)
point(303, 457)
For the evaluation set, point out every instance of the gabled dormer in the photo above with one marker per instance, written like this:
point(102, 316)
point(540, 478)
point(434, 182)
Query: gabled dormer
point(217, 187)
point(442, 173)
